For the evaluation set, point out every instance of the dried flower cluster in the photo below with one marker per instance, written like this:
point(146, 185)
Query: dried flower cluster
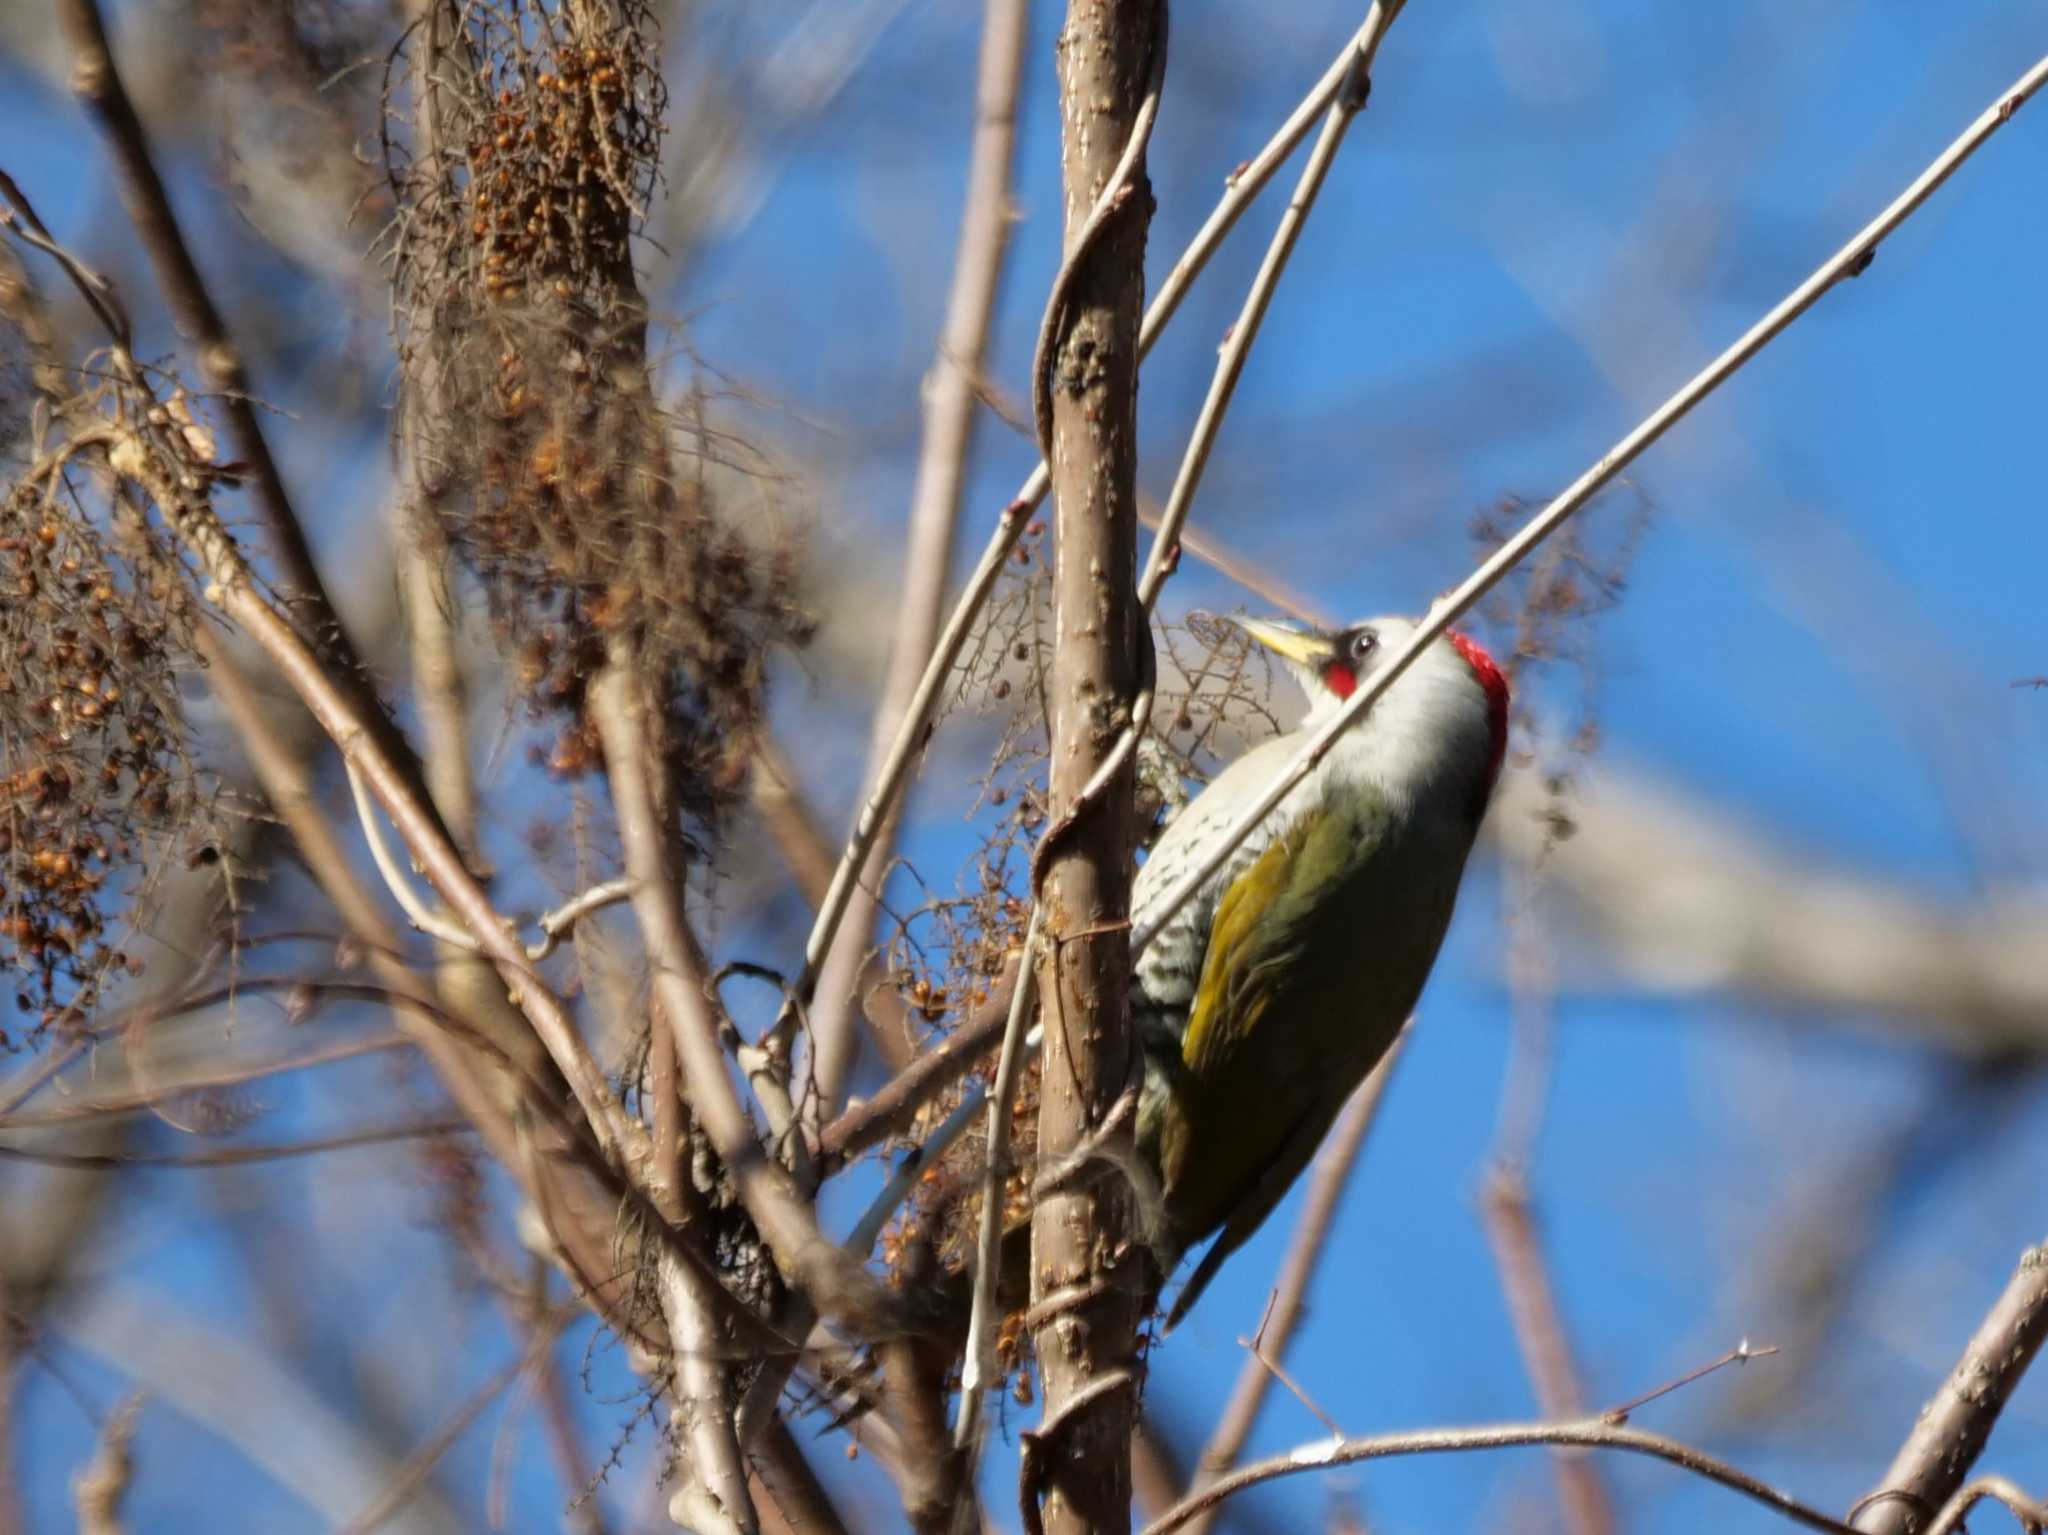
point(94, 773)
point(584, 502)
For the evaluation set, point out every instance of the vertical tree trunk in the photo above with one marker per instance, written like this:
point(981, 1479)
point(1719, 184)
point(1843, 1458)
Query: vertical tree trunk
point(1080, 1240)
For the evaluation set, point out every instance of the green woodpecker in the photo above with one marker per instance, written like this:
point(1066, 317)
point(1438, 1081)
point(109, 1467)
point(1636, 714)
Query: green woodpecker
point(1268, 997)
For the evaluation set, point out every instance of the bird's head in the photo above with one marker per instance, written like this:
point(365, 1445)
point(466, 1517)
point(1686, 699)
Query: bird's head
point(1452, 687)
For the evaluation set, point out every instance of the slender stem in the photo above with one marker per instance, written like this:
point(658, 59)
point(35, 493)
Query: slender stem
point(2031, 1512)
point(1593, 1434)
point(1538, 1320)
point(1347, 104)
point(1849, 261)
point(977, 1370)
point(951, 410)
point(552, 924)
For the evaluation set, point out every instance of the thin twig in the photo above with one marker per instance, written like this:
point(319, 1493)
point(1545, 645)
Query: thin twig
point(910, 1167)
point(1344, 107)
point(1591, 1433)
point(1538, 1322)
point(893, 1106)
point(977, 1369)
point(1742, 1353)
point(1247, 573)
point(2031, 1512)
point(236, 1156)
point(1274, 1368)
point(553, 924)
point(420, 1464)
point(1849, 261)
point(936, 494)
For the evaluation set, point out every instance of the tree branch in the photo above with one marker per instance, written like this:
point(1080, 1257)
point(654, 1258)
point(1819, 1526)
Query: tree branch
point(96, 82)
point(1112, 62)
point(1594, 1434)
point(1951, 1430)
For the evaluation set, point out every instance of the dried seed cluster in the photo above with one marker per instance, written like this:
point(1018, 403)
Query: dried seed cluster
point(559, 163)
point(93, 769)
point(582, 501)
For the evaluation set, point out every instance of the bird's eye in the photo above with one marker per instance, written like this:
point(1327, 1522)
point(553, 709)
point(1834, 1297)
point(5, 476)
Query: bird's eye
point(1363, 643)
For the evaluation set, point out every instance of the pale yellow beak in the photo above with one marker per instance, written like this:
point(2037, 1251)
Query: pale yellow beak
point(1304, 647)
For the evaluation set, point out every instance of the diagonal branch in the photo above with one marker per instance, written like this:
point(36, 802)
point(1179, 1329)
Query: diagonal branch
point(1951, 1429)
point(1850, 261)
point(837, 1284)
point(96, 82)
point(1344, 108)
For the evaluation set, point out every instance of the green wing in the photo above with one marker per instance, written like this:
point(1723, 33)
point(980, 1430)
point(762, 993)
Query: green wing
point(1315, 959)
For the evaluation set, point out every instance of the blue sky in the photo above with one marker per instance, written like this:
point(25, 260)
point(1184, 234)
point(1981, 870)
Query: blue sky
point(1549, 217)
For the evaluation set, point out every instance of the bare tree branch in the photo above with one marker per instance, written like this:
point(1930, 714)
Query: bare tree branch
point(951, 409)
point(1539, 1331)
point(1952, 1427)
point(1594, 1433)
point(1112, 62)
point(1346, 105)
point(836, 1284)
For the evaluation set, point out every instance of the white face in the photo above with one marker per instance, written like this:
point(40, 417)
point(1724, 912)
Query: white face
point(1345, 660)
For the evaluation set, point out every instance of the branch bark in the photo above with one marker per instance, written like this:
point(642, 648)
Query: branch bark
point(1950, 1434)
point(1111, 60)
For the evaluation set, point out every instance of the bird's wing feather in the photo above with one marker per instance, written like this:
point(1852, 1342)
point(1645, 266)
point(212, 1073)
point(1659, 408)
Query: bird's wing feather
point(1316, 956)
